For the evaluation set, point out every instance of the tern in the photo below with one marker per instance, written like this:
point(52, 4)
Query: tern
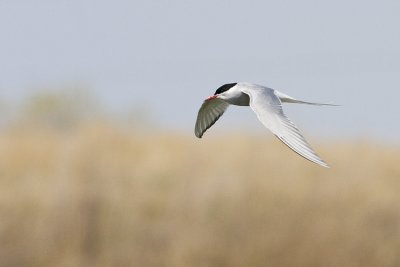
point(267, 104)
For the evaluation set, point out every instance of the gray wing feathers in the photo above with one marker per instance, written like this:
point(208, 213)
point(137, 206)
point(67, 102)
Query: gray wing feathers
point(268, 109)
point(292, 138)
point(209, 113)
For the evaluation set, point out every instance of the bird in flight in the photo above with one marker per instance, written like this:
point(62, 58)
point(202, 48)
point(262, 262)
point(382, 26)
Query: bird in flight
point(267, 104)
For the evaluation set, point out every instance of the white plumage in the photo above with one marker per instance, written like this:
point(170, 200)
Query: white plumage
point(267, 104)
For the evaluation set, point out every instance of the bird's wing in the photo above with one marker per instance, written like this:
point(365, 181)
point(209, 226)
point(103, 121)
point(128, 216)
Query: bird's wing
point(209, 113)
point(268, 109)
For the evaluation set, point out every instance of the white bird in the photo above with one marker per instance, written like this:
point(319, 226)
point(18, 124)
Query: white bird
point(267, 104)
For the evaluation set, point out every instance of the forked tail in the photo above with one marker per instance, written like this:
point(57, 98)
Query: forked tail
point(288, 99)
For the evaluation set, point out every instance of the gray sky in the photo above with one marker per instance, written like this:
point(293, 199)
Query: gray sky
point(167, 56)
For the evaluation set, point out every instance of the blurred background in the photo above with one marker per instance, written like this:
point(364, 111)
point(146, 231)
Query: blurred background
point(99, 165)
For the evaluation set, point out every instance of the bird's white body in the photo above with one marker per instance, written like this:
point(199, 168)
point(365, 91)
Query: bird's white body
point(266, 103)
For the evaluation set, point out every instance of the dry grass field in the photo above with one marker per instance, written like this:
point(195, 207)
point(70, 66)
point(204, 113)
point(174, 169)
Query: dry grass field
point(100, 195)
point(97, 194)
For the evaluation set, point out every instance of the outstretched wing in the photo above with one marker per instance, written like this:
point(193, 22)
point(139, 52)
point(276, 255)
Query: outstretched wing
point(209, 113)
point(268, 108)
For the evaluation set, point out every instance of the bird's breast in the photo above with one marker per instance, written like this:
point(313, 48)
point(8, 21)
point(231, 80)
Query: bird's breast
point(241, 99)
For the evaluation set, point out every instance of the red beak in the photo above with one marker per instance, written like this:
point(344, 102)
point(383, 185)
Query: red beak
point(212, 97)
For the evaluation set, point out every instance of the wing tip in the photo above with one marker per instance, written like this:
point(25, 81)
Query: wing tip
point(315, 158)
point(324, 164)
point(198, 134)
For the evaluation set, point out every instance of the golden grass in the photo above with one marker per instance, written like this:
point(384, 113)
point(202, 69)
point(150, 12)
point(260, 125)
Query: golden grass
point(102, 196)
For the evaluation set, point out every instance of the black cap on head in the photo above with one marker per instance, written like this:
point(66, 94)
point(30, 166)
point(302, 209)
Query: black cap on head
point(224, 88)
